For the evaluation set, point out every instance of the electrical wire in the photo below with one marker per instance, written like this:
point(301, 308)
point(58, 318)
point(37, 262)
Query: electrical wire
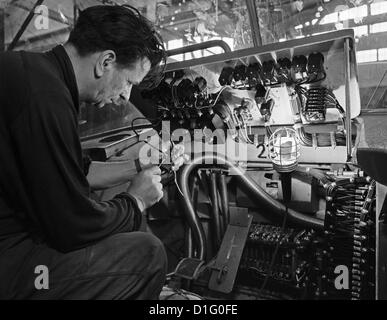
point(164, 159)
point(214, 103)
point(175, 174)
point(244, 132)
point(274, 256)
point(132, 127)
point(218, 96)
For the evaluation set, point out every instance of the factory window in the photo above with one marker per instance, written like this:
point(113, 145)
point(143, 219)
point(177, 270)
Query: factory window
point(285, 20)
point(378, 27)
point(353, 13)
point(378, 8)
point(367, 56)
point(382, 54)
point(192, 22)
point(360, 31)
point(330, 18)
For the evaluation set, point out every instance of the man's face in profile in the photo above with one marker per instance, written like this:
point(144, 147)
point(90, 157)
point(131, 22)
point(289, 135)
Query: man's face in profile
point(115, 82)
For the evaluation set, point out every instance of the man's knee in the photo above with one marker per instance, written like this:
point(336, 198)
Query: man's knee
point(149, 257)
point(137, 251)
point(149, 241)
point(140, 242)
point(153, 248)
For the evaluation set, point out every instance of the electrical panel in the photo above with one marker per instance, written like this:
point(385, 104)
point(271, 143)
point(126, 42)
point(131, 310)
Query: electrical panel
point(308, 84)
point(308, 90)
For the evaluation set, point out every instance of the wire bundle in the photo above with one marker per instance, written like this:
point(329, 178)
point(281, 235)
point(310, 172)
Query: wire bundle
point(316, 101)
point(277, 254)
point(349, 226)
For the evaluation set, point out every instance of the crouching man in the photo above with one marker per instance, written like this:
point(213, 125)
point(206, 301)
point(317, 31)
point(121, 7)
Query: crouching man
point(48, 222)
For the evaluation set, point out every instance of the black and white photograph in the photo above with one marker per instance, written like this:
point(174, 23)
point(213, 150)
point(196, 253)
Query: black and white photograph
point(207, 151)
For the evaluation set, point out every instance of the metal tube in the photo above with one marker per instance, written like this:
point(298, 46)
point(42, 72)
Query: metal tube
point(189, 247)
point(276, 207)
point(189, 242)
point(200, 46)
point(347, 50)
point(192, 218)
point(224, 200)
point(261, 196)
point(215, 210)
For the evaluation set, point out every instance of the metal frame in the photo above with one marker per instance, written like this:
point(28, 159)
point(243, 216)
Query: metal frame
point(254, 22)
point(24, 25)
point(347, 51)
point(277, 46)
point(200, 46)
point(346, 35)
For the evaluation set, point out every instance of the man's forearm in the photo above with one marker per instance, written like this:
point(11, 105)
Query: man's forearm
point(104, 175)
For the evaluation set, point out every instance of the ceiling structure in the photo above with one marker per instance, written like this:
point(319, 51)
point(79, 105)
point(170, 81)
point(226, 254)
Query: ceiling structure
point(189, 20)
point(240, 23)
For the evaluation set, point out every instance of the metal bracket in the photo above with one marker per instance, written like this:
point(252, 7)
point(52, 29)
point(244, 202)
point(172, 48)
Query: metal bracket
point(225, 269)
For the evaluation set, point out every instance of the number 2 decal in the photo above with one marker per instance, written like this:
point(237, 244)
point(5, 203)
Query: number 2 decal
point(263, 149)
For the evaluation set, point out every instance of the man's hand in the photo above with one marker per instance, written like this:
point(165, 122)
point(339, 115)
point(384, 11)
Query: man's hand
point(146, 186)
point(166, 154)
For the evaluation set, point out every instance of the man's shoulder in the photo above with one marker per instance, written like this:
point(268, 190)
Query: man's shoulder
point(31, 78)
point(32, 69)
point(42, 71)
point(12, 69)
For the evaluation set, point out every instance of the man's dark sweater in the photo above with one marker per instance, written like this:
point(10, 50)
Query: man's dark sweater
point(44, 193)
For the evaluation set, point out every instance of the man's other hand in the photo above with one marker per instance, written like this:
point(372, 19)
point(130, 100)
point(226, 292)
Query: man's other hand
point(146, 186)
point(166, 154)
point(178, 156)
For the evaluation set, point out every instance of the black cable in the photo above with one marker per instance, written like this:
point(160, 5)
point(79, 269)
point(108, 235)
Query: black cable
point(268, 274)
point(316, 79)
point(154, 125)
point(121, 151)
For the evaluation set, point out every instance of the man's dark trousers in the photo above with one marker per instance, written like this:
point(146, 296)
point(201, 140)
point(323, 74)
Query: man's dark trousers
point(122, 266)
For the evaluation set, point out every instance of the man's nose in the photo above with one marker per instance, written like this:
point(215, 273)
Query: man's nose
point(125, 95)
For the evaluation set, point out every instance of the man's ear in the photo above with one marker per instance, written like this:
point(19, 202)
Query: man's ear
point(105, 62)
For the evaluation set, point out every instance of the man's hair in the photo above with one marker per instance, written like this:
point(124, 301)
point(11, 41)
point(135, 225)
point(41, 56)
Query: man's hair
point(121, 29)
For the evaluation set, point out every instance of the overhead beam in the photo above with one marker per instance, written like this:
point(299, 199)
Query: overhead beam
point(44, 37)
